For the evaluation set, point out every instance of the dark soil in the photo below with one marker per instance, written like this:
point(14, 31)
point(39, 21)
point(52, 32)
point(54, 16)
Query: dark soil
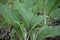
point(53, 38)
point(4, 33)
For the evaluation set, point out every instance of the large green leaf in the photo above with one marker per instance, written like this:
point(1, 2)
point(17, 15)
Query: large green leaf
point(57, 4)
point(50, 4)
point(36, 20)
point(56, 31)
point(26, 14)
point(55, 14)
point(12, 17)
point(43, 32)
point(10, 14)
point(48, 31)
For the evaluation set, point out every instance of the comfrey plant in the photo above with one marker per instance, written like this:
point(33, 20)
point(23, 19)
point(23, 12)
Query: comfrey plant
point(32, 19)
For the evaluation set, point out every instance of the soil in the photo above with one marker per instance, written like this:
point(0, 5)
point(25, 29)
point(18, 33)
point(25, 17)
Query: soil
point(53, 38)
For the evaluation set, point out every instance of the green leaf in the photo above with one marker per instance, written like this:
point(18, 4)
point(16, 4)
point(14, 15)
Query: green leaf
point(10, 14)
point(48, 31)
point(36, 20)
point(50, 4)
point(18, 29)
point(12, 17)
point(57, 3)
point(26, 14)
point(1, 5)
point(28, 4)
point(56, 32)
point(55, 14)
point(21, 30)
